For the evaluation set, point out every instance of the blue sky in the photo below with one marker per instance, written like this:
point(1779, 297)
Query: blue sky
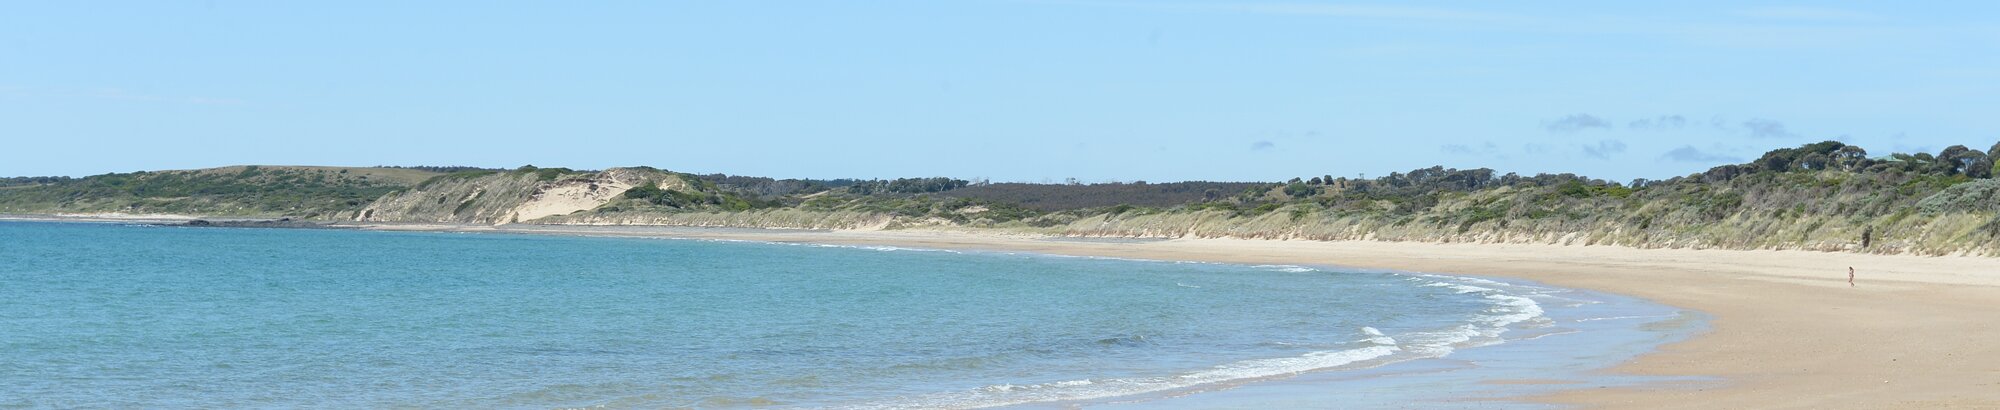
point(1007, 90)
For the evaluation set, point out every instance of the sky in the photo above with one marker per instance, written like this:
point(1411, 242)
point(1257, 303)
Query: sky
point(1007, 90)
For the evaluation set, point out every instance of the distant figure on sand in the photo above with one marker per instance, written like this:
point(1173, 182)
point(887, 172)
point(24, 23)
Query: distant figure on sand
point(1850, 276)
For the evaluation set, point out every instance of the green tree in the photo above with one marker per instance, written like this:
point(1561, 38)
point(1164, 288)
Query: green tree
point(1850, 158)
point(1815, 161)
point(1778, 160)
point(1298, 189)
point(1953, 158)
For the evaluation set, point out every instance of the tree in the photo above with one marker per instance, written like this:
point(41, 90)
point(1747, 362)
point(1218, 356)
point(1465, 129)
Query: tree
point(1971, 162)
point(1922, 162)
point(1953, 158)
point(1297, 189)
point(1850, 158)
point(1992, 170)
point(1721, 173)
point(1980, 168)
point(1822, 147)
point(1814, 161)
point(1778, 160)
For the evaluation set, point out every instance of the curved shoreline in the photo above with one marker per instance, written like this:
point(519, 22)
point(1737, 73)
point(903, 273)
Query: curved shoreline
point(1388, 379)
point(1421, 316)
point(1785, 330)
point(1572, 339)
point(1411, 379)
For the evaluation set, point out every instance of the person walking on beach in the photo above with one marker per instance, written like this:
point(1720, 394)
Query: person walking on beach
point(1850, 276)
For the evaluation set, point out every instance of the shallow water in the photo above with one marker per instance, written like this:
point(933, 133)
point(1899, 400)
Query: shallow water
point(109, 315)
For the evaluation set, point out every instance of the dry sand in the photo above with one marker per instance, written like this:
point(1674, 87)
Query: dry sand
point(1786, 330)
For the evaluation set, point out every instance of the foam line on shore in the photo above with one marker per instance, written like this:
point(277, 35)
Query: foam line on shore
point(1373, 348)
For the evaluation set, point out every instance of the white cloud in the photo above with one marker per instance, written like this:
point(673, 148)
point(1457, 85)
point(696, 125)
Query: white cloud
point(1575, 122)
point(1763, 128)
point(1604, 149)
point(1664, 122)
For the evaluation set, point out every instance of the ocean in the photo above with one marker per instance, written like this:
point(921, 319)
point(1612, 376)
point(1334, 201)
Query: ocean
point(106, 315)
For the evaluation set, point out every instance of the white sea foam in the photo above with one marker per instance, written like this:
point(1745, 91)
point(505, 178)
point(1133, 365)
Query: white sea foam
point(1593, 319)
point(1482, 281)
point(1462, 289)
point(880, 248)
point(1111, 258)
point(1438, 343)
point(1509, 305)
point(1376, 337)
point(1010, 394)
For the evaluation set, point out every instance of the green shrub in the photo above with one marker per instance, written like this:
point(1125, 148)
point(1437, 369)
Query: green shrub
point(1979, 196)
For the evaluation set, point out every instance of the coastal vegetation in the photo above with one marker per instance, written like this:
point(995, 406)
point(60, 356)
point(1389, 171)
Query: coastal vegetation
point(309, 192)
point(1821, 196)
point(30, 181)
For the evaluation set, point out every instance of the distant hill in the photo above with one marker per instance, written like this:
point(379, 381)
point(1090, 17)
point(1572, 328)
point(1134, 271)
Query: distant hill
point(1822, 196)
point(1054, 197)
point(251, 190)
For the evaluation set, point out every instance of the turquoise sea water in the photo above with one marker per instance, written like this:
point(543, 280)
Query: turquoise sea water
point(124, 316)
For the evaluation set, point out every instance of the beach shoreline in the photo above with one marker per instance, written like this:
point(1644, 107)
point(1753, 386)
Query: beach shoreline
point(1784, 328)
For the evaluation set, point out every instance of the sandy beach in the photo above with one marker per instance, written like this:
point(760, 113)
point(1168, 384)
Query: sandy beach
point(1787, 331)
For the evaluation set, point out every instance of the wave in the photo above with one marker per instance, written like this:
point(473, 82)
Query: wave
point(1376, 337)
point(1111, 258)
point(882, 248)
point(1508, 305)
point(879, 248)
point(1593, 319)
point(1285, 268)
point(1085, 389)
point(1505, 309)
